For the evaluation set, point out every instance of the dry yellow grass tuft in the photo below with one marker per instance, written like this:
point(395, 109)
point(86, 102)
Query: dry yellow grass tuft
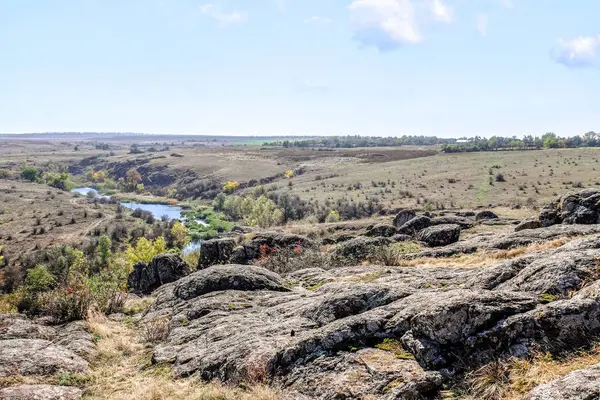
point(121, 370)
point(512, 379)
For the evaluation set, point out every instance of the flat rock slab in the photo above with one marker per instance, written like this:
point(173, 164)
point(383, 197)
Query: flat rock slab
point(40, 392)
point(37, 357)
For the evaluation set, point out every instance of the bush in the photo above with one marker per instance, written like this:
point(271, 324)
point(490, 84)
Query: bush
point(264, 213)
point(333, 216)
point(30, 174)
point(500, 177)
point(5, 173)
point(65, 305)
point(230, 186)
point(179, 235)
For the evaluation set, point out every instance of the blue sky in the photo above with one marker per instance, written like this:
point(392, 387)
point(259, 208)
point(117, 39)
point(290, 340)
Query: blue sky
point(326, 67)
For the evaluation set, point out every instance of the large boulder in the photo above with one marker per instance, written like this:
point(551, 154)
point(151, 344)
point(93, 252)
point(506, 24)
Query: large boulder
point(485, 215)
point(164, 268)
point(580, 208)
point(384, 230)
point(440, 235)
point(583, 384)
point(358, 249)
point(528, 224)
point(415, 225)
point(403, 217)
point(216, 251)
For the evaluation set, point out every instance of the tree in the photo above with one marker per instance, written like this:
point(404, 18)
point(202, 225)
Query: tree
point(264, 213)
point(230, 186)
point(104, 250)
point(132, 177)
point(145, 250)
point(30, 174)
point(180, 235)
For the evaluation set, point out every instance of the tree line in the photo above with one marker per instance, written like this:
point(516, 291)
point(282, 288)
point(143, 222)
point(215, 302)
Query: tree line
point(464, 144)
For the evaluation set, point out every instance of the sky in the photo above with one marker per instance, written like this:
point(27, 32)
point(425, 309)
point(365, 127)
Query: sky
point(447, 68)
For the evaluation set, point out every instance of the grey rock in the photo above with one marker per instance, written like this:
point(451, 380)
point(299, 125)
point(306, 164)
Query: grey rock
point(40, 392)
point(485, 215)
point(164, 268)
point(464, 223)
point(583, 384)
point(440, 235)
point(528, 224)
point(415, 225)
point(37, 357)
point(216, 251)
point(403, 217)
point(358, 249)
point(381, 230)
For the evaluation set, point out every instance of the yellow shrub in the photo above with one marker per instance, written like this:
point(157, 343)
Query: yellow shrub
point(289, 174)
point(231, 186)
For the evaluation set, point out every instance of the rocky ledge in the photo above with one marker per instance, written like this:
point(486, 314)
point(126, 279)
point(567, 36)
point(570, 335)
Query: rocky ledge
point(387, 332)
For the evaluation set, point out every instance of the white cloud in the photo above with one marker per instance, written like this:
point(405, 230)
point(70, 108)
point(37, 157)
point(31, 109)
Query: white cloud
point(384, 24)
point(507, 3)
point(225, 18)
point(582, 51)
point(481, 21)
point(318, 20)
point(441, 11)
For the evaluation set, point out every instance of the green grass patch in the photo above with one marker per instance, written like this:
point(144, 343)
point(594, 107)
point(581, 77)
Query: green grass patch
point(215, 223)
point(395, 347)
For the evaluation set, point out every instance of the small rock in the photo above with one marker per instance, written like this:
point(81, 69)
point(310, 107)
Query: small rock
point(528, 224)
point(440, 235)
point(483, 215)
point(403, 217)
point(415, 225)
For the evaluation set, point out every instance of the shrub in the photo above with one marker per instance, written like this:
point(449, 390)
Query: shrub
point(156, 330)
point(289, 174)
point(65, 305)
point(230, 186)
point(5, 173)
point(333, 216)
point(30, 174)
point(500, 177)
point(179, 235)
point(264, 213)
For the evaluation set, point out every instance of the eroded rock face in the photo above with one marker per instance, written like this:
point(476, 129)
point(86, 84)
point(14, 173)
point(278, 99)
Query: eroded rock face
point(578, 385)
point(440, 235)
point(216, 251)
point(239, 323)
point(164, 268)
point(574, 208)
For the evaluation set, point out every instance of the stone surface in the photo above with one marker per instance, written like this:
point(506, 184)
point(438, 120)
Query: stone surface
point(484, 215)
point(379, 230)
point(164, 268)
point(315, 337)
point(40, 392)
point(528, 224)
point(440, 235)
point(403, 217)
point(216, 251)
point(583, 384)
point(37, 357)
point(415, 225)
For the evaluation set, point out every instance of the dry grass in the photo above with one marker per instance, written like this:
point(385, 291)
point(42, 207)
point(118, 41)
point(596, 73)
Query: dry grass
point(121, 371)
point(484, 258)
point(512, 379)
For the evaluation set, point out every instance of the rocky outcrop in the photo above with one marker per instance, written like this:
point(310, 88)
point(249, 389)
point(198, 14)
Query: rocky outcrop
point(40, 392)
point(215, 251)
point(224, 251)
point(164, 268)
point(314, 330)
point(358, 249)
point(583, 384)
point(574, 208)
point(29, 349)
point(440, 235)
